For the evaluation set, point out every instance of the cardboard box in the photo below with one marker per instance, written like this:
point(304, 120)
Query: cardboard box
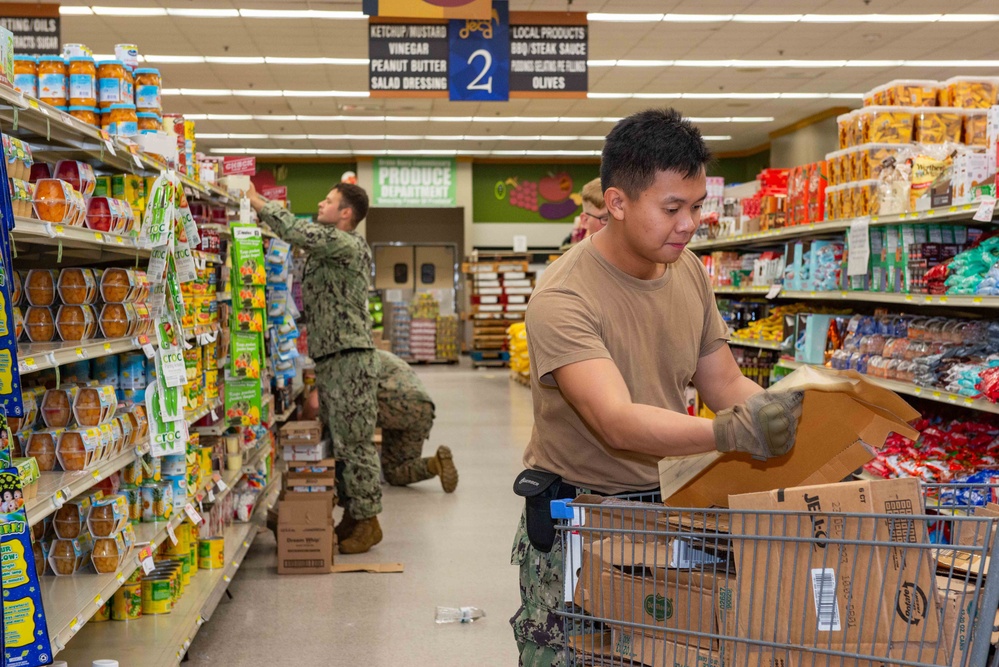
point(958, 598)
point(301, 433)
point(812, 593)
point(309, 476)
point(305, 534)
point(314, 453)
point(659, 652)
point(626, 581)
point(834, 437)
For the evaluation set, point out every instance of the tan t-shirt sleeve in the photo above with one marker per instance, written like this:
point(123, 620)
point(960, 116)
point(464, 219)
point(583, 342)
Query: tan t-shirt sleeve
point(561, 330)
point(715, 331)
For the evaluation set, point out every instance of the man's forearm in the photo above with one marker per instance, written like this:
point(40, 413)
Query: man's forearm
point(736, 393)
point(649, 430)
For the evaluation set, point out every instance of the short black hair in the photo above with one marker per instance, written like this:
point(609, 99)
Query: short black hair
point(648, 142)
point(355, 197)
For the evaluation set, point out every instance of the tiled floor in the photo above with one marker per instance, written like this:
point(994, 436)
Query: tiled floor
point(456, 551)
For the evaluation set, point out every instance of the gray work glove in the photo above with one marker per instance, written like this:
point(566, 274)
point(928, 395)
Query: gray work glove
point(764, 426)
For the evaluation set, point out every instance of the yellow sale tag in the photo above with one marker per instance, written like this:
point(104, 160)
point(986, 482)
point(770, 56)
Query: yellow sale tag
point(917, 391)
point(908, 297)
point(59, 230)
point(977, 299)
point(80, 353)
point(98, 237)
point(936, 394)
point(29, 363)
point(33, 104)
point(97, 475)
point(107, 348)
point(99, 601)
point(953, 209)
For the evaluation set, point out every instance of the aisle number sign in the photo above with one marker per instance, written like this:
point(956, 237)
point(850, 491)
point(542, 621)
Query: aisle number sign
point(415, 182)
point(510, 54)
point(479, 53)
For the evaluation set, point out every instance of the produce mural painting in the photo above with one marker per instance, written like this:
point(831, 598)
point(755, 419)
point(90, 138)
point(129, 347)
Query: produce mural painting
point(529, 193)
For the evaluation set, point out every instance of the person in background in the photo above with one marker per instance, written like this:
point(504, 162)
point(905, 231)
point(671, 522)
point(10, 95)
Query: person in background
point(617, 329)
point(406, 415)
point(594, 216)
point(335, 291)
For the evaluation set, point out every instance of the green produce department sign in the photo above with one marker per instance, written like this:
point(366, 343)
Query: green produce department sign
point(415, 182)
point(529, 192)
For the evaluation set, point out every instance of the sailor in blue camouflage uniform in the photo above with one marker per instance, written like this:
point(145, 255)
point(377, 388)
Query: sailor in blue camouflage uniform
point(335, 291)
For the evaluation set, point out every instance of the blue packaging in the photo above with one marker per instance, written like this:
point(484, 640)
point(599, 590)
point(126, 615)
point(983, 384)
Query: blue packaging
point(132, 371)
point(77, 371)
point(106, 369)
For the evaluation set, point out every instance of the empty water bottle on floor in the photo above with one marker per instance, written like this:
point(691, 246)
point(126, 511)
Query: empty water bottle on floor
point(459, 614)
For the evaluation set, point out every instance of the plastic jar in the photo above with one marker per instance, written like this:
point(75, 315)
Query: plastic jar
point(128, 86)
point(26, 75)
point(52, 73)
point(82, 82)
point(124, 122)
point(110, 77)
point(89, 115)
point(149, 122)
point(147, 90)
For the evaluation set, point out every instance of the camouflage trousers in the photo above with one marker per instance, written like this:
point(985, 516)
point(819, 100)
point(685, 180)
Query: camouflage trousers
point(539, 632)
point(348, 405)
point(405, 427)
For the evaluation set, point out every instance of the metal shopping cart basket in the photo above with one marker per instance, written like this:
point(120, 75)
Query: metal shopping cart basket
point(862, 575)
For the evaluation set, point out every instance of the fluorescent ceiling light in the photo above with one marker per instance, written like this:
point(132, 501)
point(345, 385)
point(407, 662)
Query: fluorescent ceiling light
point(129, 11)
point(250, 92)
point(607, 17)
point(204, 13)
point(75, 11)
point(301, 14)
point(726, 96)
point(473, 119)
point(404, 137)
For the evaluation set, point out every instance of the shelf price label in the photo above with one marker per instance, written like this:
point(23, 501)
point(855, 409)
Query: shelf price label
point(134, 150)
point(97, 475)
point(171, 534)
point(146, 559)
point(28, 364)
point(106, 138)
point(192, 514)
point(98, 601)
point(80, 353)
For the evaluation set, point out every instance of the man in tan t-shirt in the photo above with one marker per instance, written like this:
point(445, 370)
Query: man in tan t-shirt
point(617, 329)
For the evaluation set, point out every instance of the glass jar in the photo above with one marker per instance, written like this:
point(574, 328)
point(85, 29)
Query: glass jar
point(89, 115)
point(110, 77)
point(147, 90)
point(124, 121)
point(82, 82)
point(52, 73)
point(26, 75)
point(149, 122)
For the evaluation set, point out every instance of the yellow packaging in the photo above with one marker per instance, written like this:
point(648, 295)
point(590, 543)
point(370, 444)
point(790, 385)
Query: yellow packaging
point(126, 605)
point(868, 158)
point(937, 125)
point(205, 460)
point(131, 189)
point(970, 93)
point(157, 596)
point(911, 93)
point(846, 201)
point(103, 614)
point(886, 125)
point(976, 123)
point(211, 553)
point(211, 385)
point(865, 198)
point(194, 554)
point(925, 170)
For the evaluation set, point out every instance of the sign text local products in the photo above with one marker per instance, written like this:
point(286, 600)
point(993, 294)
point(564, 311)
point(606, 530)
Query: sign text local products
point(544, 55)
point(415, 182)
point(547, 59)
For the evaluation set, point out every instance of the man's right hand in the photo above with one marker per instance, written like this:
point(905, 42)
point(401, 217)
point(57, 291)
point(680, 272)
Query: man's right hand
point(764, 426)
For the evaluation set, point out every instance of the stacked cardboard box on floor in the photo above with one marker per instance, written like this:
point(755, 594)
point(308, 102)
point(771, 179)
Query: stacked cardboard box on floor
point(308, 495)
point(709, 588)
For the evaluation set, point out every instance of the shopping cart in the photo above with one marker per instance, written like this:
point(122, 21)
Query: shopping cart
point(652, 585)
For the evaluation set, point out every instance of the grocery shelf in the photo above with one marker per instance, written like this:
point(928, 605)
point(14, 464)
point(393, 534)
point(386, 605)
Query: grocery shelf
point(937, 300)
point(56, 488)
point(28, 118)
point(39, 356)
point(194, 415)
point(928, 393)
point(72, 600)
point(961, 213)
point(758, 344)
point(191, 333)
point(163, 640)
point(51, 234)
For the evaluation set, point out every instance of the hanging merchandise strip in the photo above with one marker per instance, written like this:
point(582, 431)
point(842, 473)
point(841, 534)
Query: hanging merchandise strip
point(11, 403)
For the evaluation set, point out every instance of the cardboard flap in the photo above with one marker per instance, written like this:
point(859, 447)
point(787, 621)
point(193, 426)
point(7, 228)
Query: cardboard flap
point(305, 512)
point(852, 383)
point(621, 552)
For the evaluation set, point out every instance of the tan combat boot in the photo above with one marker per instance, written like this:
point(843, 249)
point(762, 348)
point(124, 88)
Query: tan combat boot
point(346, 526)
point(366, 534)
point(442, 465)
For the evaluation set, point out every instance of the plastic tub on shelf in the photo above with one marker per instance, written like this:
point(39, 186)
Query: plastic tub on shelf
point(867, 159)
point(938, 125)
point(56, 201)
point(912, 92)
point(78, 174)
point(886, 124)
point(975, 130)
point(877, 96)
point(969, 92)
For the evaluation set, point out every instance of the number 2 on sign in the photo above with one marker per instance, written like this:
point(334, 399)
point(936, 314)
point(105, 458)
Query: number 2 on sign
point(475, 85)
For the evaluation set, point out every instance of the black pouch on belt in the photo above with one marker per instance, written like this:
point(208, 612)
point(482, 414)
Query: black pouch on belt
point(539, 488)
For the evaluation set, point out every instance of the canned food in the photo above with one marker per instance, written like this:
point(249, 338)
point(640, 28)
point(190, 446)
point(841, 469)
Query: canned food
point(134, 498)
point(131, 474)
point(153, 468)
point(157, 501)
point(103, 613)
point(157, 595)
point(132, 371)
point(211, 553)
point(193, 543)
point(174, 465)
point(185, 568)
point(126, 605)
point(179, 486)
